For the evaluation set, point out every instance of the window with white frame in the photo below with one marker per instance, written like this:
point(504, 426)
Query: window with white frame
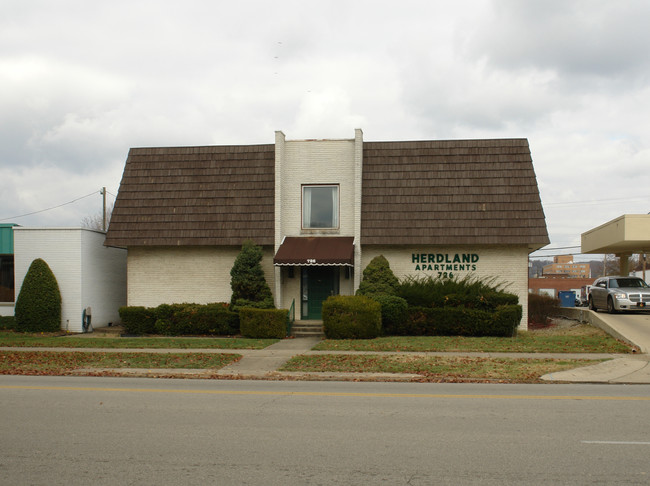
point(320, 206)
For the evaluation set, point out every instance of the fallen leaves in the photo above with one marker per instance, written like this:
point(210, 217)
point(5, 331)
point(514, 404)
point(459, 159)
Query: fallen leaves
point(63, 362)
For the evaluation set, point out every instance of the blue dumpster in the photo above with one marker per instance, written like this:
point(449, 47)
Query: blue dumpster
point(567, 298)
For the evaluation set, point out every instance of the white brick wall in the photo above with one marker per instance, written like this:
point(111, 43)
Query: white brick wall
point(508, 265)
point(316, 162)
point(167, 275)
point(103, 278)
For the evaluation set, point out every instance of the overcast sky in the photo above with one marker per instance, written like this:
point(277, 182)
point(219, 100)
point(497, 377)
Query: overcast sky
point(82, 81)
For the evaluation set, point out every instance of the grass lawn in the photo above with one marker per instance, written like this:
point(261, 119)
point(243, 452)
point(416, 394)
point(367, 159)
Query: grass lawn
point(58, 363)
point(8, 338)
point(575, 339)
point(437, 369)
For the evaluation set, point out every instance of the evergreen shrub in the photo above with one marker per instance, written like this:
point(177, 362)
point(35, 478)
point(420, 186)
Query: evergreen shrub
point(263, 323)
point(461, 321)
point(7, 322)
point(470, 292)
point(378, 278)
point(247, 281)
point(138, 320)
point(394, 312)
point(38, 306)
point(181, 319)
point(351, 317)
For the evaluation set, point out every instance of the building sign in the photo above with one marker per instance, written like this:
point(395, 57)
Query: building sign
point(446, 264)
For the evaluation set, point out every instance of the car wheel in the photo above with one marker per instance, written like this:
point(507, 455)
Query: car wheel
point(610, 306)
point(591, 304)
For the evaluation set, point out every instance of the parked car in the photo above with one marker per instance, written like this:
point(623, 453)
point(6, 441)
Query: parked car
point(619, 294)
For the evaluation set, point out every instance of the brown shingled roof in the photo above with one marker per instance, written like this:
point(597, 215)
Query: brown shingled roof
point(217, 195)
point(460, 192)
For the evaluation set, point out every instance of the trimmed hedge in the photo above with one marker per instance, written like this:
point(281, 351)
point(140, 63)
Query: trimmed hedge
point(7, 322)
point(138, 320)
point(351, 317)
point(459, 321)
point(394, 312)
point(38, 306)
point(263, 323)
point(181, 319)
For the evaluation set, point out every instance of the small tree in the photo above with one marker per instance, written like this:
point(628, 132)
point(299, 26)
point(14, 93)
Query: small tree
point(96, 221)
point(249, 286)
point(378, 278)
point(38, 307)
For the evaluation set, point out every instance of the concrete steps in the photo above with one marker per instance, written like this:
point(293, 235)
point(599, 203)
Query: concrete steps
point(307, 329)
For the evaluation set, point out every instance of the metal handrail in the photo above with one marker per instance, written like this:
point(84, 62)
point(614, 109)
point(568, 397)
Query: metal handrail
point(291, 316)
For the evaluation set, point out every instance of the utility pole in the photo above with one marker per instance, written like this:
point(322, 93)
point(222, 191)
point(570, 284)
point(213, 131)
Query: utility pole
point(103, 193)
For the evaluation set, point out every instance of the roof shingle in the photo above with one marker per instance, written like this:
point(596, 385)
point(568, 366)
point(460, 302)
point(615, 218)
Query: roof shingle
point(450, 192)
point(217, 195)
point(454, 192)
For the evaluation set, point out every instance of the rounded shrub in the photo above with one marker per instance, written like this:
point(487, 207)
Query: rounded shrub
point(351, 317)
point(378, 278)
point(38, 306)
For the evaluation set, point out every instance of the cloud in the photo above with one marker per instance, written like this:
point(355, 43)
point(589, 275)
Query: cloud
point(83, 82)
point(582, 38)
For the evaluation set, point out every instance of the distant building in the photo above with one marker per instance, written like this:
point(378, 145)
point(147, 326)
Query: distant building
point(563, 266)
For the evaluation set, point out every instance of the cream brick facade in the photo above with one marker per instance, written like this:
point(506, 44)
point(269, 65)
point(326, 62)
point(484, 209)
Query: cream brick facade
point(312, 162)
point(508, 266)
point(168, 275)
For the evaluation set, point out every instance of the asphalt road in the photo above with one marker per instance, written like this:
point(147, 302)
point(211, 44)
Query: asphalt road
point(72, 430)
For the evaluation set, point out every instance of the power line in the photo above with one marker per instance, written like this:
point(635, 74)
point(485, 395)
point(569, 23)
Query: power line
point(596, 201)
point(49, 209)
point(558, 248)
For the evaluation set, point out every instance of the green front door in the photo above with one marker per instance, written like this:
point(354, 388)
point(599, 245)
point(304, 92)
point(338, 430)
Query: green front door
point(318, 283)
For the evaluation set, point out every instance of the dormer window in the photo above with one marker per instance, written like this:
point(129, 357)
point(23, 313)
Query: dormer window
point(320, 207)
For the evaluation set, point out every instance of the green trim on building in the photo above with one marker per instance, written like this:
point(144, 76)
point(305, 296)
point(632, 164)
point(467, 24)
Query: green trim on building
point(7, 238)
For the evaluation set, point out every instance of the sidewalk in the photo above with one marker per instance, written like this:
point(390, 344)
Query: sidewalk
point(263, 364)
point(624, 369)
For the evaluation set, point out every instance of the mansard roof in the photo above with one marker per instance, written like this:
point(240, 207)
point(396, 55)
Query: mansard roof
point(455, 192)
point(215, 195)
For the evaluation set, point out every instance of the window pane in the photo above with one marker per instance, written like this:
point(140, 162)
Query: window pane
point(320, 207)
point(6, 278)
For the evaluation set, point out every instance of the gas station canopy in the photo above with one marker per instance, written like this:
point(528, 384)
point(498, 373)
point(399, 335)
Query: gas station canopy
point(626, 234)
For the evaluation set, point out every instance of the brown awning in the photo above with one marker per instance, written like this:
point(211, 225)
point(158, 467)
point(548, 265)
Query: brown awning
point(317, 250)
